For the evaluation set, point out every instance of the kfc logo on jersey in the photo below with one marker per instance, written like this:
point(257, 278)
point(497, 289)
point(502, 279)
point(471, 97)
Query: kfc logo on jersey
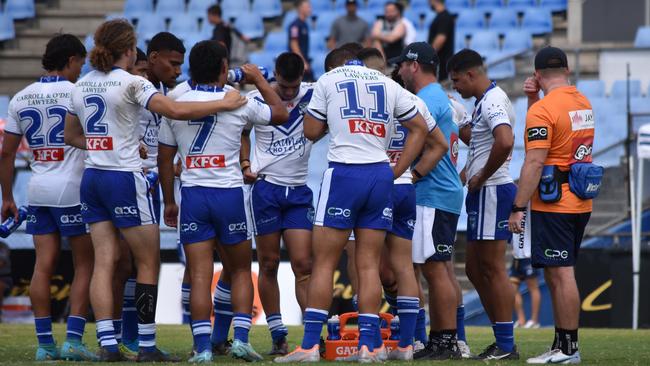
point(99, 143)
point(582, 120)
point(367, 127)
point(205, 161)
point(48, 154)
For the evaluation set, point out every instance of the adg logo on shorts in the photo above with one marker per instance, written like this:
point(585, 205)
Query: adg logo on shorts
point(387, 213)
point(311, 213)
point(71, 219)
point(126, 211)
point(237, 227)
point(556, 254)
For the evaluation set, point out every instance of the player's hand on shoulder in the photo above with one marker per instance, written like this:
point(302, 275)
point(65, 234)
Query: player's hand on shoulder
point(233, 100)
point(171, 215)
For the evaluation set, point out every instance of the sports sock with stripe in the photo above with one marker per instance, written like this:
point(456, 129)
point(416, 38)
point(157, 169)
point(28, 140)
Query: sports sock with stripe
point(146, 296)
point(504, 335)
point(276, 327)
point(368, 324)
point(314, 320)
point(222, 313)
point(75, 328)
point(241, 324)
point(201, 330)
point(408, 309)
point(129, 315)
point(43, 327)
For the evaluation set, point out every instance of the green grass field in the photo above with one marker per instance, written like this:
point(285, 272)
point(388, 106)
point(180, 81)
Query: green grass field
point(597, 346)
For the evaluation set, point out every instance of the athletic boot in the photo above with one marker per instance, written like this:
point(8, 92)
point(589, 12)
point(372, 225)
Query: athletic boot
point(47, 352)
point(221, 349)
point(493, 352)
point(401, 354)
point(76, 351)
point(381, 352)
point(555, 356)
point(129, 349)
point(300, 355)
point(104, 355)
point(244, 351)
point(427, 351)
point(465, 352)
point(281, 347)
point(365, 356)
point(156, 356)
point(203, 357)
point(445, 352)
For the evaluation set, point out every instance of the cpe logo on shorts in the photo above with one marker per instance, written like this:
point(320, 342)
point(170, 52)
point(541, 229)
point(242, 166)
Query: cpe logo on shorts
point(337, 211)
point(387, 213)
point(71, 219)
point(444, 248)
point(192, 226)
point(502, 224)
point(556, 254)
point(126, 211)
point(237, 227)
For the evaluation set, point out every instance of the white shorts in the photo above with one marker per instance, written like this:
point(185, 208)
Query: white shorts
point(434, 235)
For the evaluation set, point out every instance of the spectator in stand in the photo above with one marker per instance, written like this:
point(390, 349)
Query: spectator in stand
point(388, 34)
point(348, 28)
point(441, 36)
point(5, 273)
point(299, 36)
point(222, 32)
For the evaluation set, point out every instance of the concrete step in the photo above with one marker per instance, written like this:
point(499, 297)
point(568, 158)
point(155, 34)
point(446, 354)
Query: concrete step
point(10, 85)
point(104, 6)
point(32, 42)
point(20, 67)
point(58, 21)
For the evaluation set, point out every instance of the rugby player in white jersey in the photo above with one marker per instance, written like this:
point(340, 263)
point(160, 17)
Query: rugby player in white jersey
point(281, 203)
point(491, 192)
point(213, 208)
point(163, 65)
point(357, 105)
point(102, 118)
point(38, 113)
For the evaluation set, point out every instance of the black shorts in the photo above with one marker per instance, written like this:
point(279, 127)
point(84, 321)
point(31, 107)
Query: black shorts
point(556, 238)
point(522, 269)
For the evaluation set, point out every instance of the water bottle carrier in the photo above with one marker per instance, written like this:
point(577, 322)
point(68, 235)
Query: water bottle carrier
point(347, 345)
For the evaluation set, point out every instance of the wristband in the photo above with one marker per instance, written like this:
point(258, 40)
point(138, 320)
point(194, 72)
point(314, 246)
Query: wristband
point(243, 160)
point(416, 173)
point(515, 208)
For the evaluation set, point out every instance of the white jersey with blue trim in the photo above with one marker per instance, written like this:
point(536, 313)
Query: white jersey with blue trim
point(109, 106)
point(282, 152)
point(398, 138)
point(186, 86)
point(492, 110)
point(149, 128)
point(358, 105)
point(38, 112)
point(209, 147)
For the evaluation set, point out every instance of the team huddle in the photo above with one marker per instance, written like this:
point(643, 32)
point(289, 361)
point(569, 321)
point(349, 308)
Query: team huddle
point(109, 147)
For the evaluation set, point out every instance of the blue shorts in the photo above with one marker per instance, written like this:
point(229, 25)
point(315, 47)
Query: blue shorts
point(120, 197)
point(555, 238)
point(522, 269)
point(403, 211)
point(66, 221)
point(207, 213)
point(276, 208)
point(488, 211)
point(155, 198)
point(356, 196)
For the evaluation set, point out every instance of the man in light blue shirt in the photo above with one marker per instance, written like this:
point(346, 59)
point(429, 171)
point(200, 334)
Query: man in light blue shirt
point(439, 198)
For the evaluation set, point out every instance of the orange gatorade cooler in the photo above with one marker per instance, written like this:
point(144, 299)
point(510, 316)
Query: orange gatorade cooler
point(345, 342)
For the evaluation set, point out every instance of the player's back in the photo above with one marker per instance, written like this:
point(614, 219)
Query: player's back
point(109, 106)
point(358, 103)
point(38, 112)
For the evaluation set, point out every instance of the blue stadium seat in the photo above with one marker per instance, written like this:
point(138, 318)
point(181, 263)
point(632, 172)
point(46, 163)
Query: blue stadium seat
point(289, 17)
point(374, 3)
point(421, 18)
point(521, 5)
point(325, 19)
point(471, 20)
point(184, 24)
point(89, 42)
point(262, 58)
point(86, 68)
point(369, 17)
point(455, 6)
point(170, 8)
point(318, 42)
point(318, 64)
point(235, 8)
point(421, 4)
point(521, 107)
point(591, 88)
point(502, 70)
point(148, 26)
point(133, 8)
point(489, 4)
point(251, 25)
point(7, 30)
point(555, 6)
point(504, 20)
point(268, 8)
point(276, 42)
point(116, 15)
point(516, 41)
point(4, 106)
point(321, 5)
point(20, 9)
point(619, 89)
point(460, 41)
point(537, 21)
point(640, 105)
point(642, 38)
point(190, 39)
point(199, 6)
point(485, 42)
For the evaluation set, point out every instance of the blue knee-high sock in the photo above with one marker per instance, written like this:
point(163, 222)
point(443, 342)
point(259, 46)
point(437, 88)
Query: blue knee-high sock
point(185, 301)
point(222, 313)
point(314, 320)
point(421, 327)
point(277, 328)
point(460, 323)
point(75, 328)
point(44, 330)
point(117, 325)
point(392, 301)
point(242, 325)
point(408, 308)
point(106, 335)
point(129, 314)
point(504, 334)
point(378, 341)
point(368, 324)
point(201, 331)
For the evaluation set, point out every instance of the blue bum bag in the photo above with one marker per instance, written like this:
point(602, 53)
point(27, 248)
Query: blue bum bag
point(584, 181)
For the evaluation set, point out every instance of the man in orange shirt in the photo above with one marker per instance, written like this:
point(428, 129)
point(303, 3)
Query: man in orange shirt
point(559, 132)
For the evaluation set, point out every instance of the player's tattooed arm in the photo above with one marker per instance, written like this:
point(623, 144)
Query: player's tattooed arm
point(73, 133)
point(9, 147)
point(184, 111)
point(435, 147)
point(417, 134)
point(166, 175)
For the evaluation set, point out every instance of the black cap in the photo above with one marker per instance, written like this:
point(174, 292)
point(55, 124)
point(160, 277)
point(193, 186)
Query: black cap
point(420, 52)
point(550, 58)
point(351, 2)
